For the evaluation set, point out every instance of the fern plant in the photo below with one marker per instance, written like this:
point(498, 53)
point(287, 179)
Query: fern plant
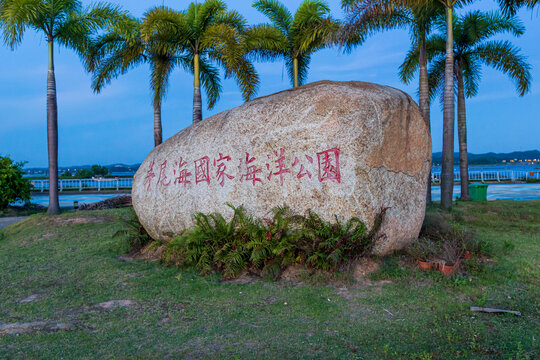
point(266, 246)
point(134, 232)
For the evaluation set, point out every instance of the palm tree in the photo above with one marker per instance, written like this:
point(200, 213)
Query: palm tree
point(292, 38)
point(122, 48)
point(365, 18)
point(447, 168)
point(203, 36)
point(473, 48)
point(510, 7)
point(447, 172)
point(64, 22)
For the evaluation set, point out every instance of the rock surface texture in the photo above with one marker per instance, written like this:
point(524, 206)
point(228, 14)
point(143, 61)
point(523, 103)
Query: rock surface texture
point(338, 148)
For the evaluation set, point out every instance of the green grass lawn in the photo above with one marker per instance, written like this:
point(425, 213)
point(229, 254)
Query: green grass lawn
point(70, 262)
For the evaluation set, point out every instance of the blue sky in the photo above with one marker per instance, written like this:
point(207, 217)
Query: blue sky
point(117, 125)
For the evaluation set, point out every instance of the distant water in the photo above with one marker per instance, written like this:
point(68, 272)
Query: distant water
point(499, 192)
point(66, 201)
point(498, 167)
point(501, 167)
point(495, 192)
point(123, 173)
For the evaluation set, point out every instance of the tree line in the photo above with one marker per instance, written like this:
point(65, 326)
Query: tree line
point(207, 39)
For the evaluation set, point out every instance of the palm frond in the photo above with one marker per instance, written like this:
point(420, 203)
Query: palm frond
point(115, 52)
point(436, 76)
point(125, 32)
point(75, 31)
point(359, 26)
point(18, 15)
point(247, 78)
point(265, 42)
point(206, 15)
point(477, 26)
point(435, 47)
point(161, 68)
point(309, 12)
point(233, 19)
point(276, 12)
point(472, 74)
point(210, 81)
point(315, 36)
point(410, 65)
point(511, 7)
point(503, 56)
point(167, 30)
point(311, 28)
point(116, 64)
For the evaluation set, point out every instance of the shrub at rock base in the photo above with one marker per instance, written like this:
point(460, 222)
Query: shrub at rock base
point(267, 246)
point(13, 186)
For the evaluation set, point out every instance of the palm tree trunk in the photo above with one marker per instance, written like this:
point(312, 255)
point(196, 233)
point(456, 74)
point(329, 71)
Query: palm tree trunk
point(158, 138)
point(197, 101)
point(462, 135)
point(295, 72)
point(447, 172)
point(424, 98)
point(52, 135)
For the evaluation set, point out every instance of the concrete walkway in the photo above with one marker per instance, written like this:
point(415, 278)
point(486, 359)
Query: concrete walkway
point(6, 221)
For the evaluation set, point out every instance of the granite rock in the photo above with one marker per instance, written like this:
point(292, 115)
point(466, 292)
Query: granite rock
point(338, 148)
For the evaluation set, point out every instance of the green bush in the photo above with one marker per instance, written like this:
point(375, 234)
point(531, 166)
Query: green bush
point(84, 174)
point(442, 240)
point(99, 170)
point(134, 232)
point(95, 170)
point(13, 186)
point(266, 246)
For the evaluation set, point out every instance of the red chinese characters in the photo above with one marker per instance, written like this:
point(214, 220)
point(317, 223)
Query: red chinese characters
point(251, 172)
point(183, 174)
point(202, 172)
point(221, 168)
point(281, 170)
point(162, 176)
point(329, 165)
point(149, 176)
point(303, 171)
point(303, 167)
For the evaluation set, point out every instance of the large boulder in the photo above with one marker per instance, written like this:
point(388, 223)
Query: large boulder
point(338, 148)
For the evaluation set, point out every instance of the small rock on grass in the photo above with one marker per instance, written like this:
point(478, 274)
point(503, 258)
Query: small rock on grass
point(116, 304)
point(30, 327)
point(29, 299)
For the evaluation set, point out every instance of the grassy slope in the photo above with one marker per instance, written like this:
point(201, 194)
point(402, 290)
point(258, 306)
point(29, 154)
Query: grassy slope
point(71, 262)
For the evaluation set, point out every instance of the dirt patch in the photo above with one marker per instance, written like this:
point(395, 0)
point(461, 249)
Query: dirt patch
point(113, 304)
point(150, 252)
point(363, 268)
point(68, 221)
point(31, 327)
point(470, 218)
point(82, 220)
point(104, 306)
point(293, 274)
point(244, 278)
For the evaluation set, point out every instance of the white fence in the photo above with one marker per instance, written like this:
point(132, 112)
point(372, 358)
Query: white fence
point(85, 184)
point(492, 176)
point(126, 183)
